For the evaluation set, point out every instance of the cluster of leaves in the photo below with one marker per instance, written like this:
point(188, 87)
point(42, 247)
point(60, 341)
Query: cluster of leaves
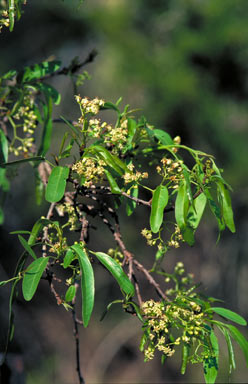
point(128, 162)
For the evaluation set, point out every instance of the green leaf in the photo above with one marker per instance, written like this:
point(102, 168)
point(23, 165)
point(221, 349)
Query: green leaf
point(188, 186)
point(56, 184)
point(185, 355)
point(210, 364)
point(4, 182)
point(18, 162)
point(131, 204)
point(69, 256)
point(159, 202)
point(111, 160)
point(226, 205)
point(26, 246)
point(188, 235)
point(117, 272)
point(9, 75)
point(181, 205)
point(215, 209)
point(181, 213)
point(11, 14)
point(49, 91)
point(87, 283)
point(232, 364)
point(3, 148)
point(37, 71)
point(240, 339)
point(109, 105)
point(38, 226)
point(112, 183)
point(195, 213)
point(132, 128)
point(74, 129)
point(70, 293)
point(48, 127)
point(230, 315)
point(32, 277)
point(163, 137)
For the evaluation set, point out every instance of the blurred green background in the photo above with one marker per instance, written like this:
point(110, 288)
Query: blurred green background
point(185, 64)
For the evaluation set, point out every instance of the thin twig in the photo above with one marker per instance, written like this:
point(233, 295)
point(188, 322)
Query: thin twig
point(76, 337)
point(150, 279)
point(138, 201)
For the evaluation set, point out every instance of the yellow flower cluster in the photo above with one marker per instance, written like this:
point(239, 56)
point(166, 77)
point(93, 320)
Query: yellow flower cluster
point(72, 216)
point(89, 106)
point(171, 170)
point(28, 121)
point(4, 21)
point(175, 238)
point(182, 313)
point(90, 169)
point(131, 176)
point(116, 136)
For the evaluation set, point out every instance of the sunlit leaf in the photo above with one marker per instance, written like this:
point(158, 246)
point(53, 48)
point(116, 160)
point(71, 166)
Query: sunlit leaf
point(210, 364)
point(131, 204)
point(37, 71)
point(87, 283)
point(195, 213)
point(112, 183)
point(56, 184)
point(163, 137)
point(32, 277)
point(230, 315)
point(240, 339)
point(226, 206)
point(185, 355)
point(159, 202)
point(27, 247)
point(70, 293)
point(3, 148)
point(117, 272)
point(69, 256)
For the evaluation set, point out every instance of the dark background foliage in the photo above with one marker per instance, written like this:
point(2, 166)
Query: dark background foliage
point(185, 63)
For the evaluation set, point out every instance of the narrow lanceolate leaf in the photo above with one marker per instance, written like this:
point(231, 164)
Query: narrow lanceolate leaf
point(232, 364)
point(48, 127)
point(69, 256)
point(56, 184)
point(3, 148)
point(195, 213)
point(87, 283)
point(181, 212)
point(185, 355)
point(38, 226)
point(117, 272)
point(210, 364)
point(159, 202)
point(181, 205)
point(26, 246)
point(215, 209)
point(226, 205)
point(240, 339)
point(32, 277)
point(230, 315)
point(131, 204)
point(70, 293)
point(112, 183)
point(18, 162)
